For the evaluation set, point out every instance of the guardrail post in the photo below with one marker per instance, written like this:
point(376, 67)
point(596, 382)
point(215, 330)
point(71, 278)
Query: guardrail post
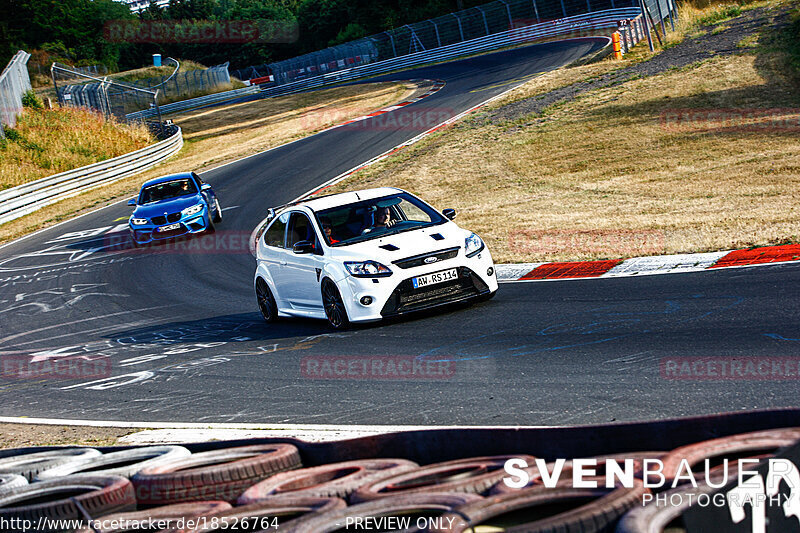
point(485, 23)
point(536, 11)
point(563, 9)
point(460, 29)
point(508, 10)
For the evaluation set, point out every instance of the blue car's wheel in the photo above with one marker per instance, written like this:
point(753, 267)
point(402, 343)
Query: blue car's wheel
point(216, 211)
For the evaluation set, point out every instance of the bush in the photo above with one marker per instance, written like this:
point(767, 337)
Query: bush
point(31, 101)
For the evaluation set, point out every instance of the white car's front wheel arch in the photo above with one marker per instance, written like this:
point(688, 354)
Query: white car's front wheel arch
point(332, 302)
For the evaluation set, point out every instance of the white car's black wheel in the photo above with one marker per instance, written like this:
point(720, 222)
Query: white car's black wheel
point(334, 306)
point(266, 301)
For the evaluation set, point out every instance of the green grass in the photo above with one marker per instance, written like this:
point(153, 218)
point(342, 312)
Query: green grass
point(720, 15)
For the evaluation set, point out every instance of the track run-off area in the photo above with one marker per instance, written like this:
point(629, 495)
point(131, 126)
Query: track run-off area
point(172, 333)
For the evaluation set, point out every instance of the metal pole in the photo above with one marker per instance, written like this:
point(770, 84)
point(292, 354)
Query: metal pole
point(661, 19)
point(536, 12)
point(508, 10)
point(158, 112)
point(671, 18)
point(486, 24)
point(55, 85)
point(646, 26)
point(460, 29)
point(435, 27)
point(563, 9)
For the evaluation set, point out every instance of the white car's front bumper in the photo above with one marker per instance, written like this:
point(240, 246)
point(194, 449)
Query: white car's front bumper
point(394, 295)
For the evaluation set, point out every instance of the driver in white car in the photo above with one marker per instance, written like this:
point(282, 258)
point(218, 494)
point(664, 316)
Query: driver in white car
point(383, 219)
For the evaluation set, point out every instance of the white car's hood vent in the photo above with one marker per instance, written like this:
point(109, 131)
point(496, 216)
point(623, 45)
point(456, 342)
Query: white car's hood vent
point(389, 247)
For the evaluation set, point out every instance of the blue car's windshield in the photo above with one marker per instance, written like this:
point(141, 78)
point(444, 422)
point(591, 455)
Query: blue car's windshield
point(167, 190)
point(369, 219)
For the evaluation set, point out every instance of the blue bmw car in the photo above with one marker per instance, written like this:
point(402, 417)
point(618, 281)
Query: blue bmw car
point(171, 206)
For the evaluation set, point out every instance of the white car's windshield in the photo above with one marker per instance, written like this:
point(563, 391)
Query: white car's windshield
point(167, 190)
point(368, 219)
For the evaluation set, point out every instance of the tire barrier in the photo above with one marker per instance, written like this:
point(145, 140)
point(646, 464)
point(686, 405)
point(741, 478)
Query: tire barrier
point(170, 517)
point(215, 475)
point(11, 482)
point(30, 464)
point(65, 499)
point(271, 513)
point(743, 445)
point(565, 477)
point(239, 486)
point(559, 509)
point(406, 505)
point(124, 463)
point(476, 475)
point(337, 480)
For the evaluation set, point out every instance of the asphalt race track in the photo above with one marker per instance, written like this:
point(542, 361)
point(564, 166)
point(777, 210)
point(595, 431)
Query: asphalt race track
point(172, 333)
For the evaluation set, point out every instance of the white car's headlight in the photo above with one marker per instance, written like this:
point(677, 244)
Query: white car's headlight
point(192, 210)
point(367, 269)
point(138, 221)
point(473, 245)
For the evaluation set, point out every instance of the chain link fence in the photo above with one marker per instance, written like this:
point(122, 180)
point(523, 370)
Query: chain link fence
point(118, 98)
point(14, 83)
point(473, 23)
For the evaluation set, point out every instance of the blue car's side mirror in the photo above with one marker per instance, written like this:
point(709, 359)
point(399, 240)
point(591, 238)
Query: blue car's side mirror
point(132, 201)
point(205, 187)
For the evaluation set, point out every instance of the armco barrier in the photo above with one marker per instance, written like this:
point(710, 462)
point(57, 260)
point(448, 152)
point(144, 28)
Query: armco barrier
point(194, 103)
point(597, 23)
point(24, 199)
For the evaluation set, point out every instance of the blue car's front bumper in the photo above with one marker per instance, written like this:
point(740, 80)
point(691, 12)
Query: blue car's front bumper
point(146, 233)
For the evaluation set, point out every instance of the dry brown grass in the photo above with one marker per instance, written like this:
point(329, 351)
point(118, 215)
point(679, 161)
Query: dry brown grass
point(608, 163)
point(217, 135)
point(46, 142)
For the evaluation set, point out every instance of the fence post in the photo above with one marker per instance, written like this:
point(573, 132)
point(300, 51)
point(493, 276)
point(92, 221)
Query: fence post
point(661, 19)
point(646, 26)
point(563, 9)
point(460, 29)
point(508, 10)
point(436, 28)
point(536, 12)
point(485, 23)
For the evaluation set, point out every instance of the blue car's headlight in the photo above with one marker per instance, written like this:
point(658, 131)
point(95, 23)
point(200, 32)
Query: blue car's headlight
point(192, 210)
point(138, 221)
point(473, 245)
point(367, 269)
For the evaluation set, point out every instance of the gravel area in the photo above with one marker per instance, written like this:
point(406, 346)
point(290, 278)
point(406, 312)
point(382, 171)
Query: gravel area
point(690, 51)
point(22, 435)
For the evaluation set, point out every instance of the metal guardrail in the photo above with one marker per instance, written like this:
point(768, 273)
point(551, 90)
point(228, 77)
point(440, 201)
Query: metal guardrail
point(587, 23)
point(24, 199)
point(14, 82)
point(194, 103)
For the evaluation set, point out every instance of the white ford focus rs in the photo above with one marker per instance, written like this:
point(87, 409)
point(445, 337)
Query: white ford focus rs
point(366, 255)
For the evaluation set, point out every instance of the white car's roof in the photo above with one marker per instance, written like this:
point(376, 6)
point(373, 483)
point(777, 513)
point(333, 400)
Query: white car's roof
point(345, 198)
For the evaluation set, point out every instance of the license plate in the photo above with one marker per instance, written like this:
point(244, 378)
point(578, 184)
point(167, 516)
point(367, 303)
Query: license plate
point(169, 228)
point(433, 279)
